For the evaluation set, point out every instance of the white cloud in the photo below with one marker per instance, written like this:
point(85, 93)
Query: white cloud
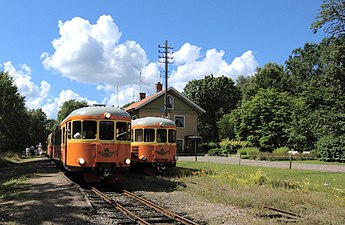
point(187, 54)
point(212, 63)
point(91, 53)
point(38, 96)
point(34, 94)
point(53, 106)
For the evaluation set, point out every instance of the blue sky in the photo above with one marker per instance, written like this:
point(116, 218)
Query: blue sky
point(94, 50)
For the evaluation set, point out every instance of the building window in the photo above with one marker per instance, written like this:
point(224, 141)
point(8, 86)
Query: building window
point(170, 104)
point(179, 145)
point(180, 121)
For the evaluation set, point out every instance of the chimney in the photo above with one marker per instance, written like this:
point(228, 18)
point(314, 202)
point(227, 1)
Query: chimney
point(158, 87)
point(142, 95)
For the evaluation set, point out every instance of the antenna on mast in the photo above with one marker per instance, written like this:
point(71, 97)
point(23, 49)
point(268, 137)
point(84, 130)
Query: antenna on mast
point(140, 81)
point(117, 94)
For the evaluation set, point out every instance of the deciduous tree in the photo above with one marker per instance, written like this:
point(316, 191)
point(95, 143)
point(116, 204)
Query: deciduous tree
point(218, 96)
point(69, 106)
point(13, 116)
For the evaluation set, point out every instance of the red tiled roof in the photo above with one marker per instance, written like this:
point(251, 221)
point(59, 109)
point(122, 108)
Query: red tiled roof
point(142, 102)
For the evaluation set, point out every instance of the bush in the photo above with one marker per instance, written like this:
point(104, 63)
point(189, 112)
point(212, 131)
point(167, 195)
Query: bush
point(214, 152)
point(281, 150)
point(205, 147)
point(248, 152)
point(331, 148)
point(231, 146)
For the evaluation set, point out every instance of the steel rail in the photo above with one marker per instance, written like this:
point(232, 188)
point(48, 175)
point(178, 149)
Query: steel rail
point(180, 219)
point(287, 213)
point(120, 207)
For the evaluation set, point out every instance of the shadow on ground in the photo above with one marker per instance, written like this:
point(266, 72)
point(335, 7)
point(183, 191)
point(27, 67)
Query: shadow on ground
point(31, 193)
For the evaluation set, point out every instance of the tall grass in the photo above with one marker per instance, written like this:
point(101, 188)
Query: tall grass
point(300, 191)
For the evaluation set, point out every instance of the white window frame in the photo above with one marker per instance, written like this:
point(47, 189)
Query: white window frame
point(184, 120)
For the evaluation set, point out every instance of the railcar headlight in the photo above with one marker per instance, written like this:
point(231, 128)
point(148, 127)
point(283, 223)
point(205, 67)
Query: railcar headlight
point(107, 115)
point(144, 158)
point(176, 158)
point(127, 161)
point(81, 161)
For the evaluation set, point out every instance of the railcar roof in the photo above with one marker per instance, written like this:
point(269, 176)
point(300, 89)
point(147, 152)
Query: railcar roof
point(96, 111)
point(152, 121)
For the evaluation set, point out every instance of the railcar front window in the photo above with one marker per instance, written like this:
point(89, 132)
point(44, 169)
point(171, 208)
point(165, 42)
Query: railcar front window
point(138, 135)
point(89, 129)
point(149, 135)
point(106, 130)
point(161, 135)
point(76, 129)
point(121, 130)
point(172, 136)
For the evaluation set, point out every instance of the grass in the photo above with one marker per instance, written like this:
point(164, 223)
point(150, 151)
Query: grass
point(318, 162)
point(12, 177)
point(318, 196)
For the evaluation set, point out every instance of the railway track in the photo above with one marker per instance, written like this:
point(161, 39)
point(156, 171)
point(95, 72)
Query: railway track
point(284, 215)
point(124, 207)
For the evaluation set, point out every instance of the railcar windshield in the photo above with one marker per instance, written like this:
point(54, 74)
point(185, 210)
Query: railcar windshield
point(161, 135)
point(76, 129)
point(106, 130)
point(123, 131)
point(149, 135)
point(172, 136)
point(89, 129)
point(138, 135)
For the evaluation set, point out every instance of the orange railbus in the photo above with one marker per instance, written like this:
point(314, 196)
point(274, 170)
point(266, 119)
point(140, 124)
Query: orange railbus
point(153, 146)
point(94, 141)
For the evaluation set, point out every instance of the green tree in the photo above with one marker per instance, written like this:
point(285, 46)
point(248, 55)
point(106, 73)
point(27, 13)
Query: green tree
point(317, 73)
point(218, 96)
point(271, 75)
point(13, 116)
point(331, 17)
point(246, 86)
point(69, 106)
point(226, 127)
point(263, 121)
point(38, 130)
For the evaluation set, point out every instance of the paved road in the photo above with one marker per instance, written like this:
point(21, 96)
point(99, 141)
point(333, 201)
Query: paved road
point(248, 162)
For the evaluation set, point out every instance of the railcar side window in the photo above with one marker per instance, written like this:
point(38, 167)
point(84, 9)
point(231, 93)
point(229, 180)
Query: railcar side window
point(138, 135)
point(172, 136)
point(161, 135)
point(68, 130)
point(149, 135)
point(89, 129)
point(129, 133)
point(106, 130)
point(121, 130)
point(76, 128)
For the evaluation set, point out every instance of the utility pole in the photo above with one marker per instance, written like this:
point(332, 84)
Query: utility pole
point(164, 58)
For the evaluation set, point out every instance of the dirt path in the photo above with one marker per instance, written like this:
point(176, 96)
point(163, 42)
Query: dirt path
point(248, 162)
point(46, 197)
